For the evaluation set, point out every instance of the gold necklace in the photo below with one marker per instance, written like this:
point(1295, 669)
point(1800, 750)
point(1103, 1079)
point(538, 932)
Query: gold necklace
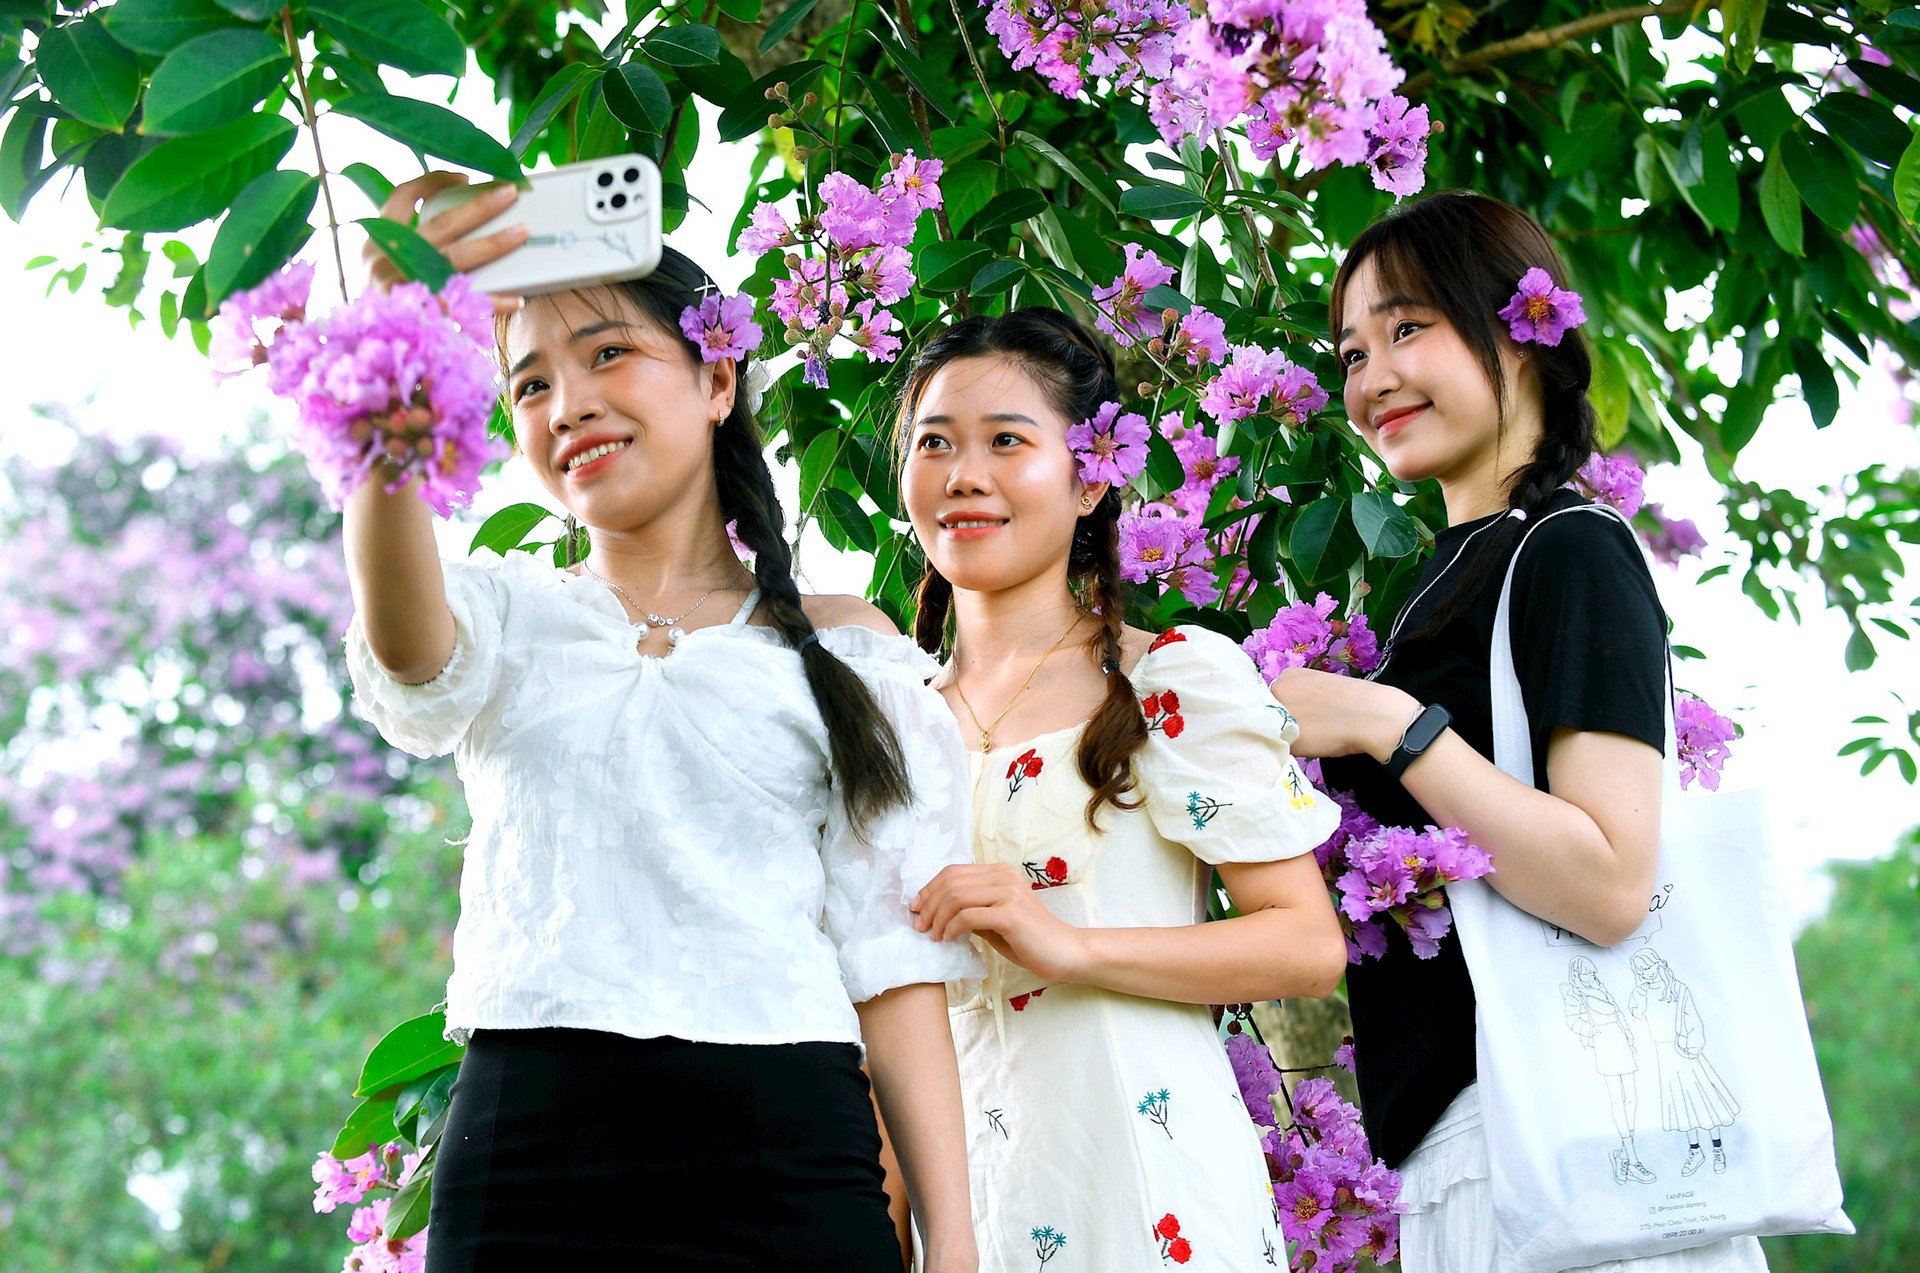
point(986, 733)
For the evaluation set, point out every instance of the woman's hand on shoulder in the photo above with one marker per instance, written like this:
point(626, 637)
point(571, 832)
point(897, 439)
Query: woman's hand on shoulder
point(1343, 715)
point(998, 902)
point(839, 611)
point(446, 230)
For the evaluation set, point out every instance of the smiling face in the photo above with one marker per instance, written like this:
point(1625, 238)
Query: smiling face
point(1422, 399)
point(612, 415)
point(990, 484)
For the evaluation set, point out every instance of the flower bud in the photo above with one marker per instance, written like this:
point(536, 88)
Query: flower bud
point(810, 101)
point(776, 120)
point(1157, 347)
point(1146, 388)
point(361, 430)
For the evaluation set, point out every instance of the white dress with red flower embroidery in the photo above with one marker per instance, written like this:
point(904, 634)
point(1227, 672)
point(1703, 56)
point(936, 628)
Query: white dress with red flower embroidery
point(656, 846)
point(1105, 1133)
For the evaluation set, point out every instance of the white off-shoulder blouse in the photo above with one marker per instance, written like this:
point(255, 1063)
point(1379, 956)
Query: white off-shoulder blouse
point(657, 848)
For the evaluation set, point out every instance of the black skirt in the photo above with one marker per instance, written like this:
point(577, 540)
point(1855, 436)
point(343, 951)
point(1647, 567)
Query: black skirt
point(583, 1150)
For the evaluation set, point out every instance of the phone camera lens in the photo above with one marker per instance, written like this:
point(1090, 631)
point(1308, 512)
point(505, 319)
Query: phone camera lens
point(619, 201)
point(631, 175)
point(605, 179)
point(600, 204)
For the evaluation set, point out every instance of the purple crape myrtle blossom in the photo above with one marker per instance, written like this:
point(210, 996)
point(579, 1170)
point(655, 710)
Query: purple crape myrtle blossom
point(1333, 1199)
point(1256, 379)
point(1258, 1078)
point(722, 326)
point(1401, 874)
point(1307, 635)
point(375, 1252)
point(1672, 538)
point(1111, 446)
point(1343, 1055)
point(848, 260)
point(248, 322)
point(1205, 468)
point(1702, 735)
point(1156, 544)
point(1201, 338)
point(1540, 312)
point(402, 380)
point(1616, 480)
point(1121, 310)
point(1123, 42)
point(1397, 147)
point(345, 1183)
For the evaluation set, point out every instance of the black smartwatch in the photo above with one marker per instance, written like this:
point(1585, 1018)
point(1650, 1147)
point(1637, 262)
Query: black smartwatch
point(1427, 726)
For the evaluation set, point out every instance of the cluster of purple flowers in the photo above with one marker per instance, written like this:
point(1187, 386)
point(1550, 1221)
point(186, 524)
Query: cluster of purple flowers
point(1701, 737)
point(1615, 480)
point(1378, 874)
point(401, 380)
point(856, 263)
point(1313, 74)
point(383, 1167)
point(1672, 538)
point(1333, 1199)
point(1256, 381)
point(1305, 634)
point(1166, 542)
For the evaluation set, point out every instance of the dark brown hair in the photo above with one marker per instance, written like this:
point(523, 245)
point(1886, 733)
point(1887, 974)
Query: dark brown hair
point(1462, 254)
point(868, 765)
point(1076, 374)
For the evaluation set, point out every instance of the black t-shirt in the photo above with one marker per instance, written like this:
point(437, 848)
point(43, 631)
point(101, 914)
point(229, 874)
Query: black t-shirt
point(1589, 646)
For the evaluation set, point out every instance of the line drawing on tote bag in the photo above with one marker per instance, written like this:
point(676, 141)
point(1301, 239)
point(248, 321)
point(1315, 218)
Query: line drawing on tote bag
point(1693, 1099)
point(1595, 1017)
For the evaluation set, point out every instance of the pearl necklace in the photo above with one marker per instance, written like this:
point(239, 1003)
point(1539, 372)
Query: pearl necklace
point(643, 627)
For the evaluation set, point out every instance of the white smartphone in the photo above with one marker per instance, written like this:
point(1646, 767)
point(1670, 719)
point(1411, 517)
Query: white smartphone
point(587, 223)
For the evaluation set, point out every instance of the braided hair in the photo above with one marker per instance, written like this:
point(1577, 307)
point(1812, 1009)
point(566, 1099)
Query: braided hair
point(1462, 254)
point(1077, 375)
point(868, 765)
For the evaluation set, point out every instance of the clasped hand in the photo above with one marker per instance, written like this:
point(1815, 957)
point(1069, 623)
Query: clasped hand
point(1001, 905)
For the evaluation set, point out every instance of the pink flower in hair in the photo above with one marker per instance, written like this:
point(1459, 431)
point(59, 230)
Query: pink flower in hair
point(1540, 312)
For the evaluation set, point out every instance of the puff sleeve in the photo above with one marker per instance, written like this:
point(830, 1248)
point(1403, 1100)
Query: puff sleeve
point(1217, 769)
point(430, 719)
point(872, 877)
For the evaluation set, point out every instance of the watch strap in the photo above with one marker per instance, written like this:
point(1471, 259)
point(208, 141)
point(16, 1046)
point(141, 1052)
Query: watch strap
point(1419, 735)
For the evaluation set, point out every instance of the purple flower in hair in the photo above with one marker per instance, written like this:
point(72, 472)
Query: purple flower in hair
point(1111, 447)
point(722, 326)
point(1540, 312)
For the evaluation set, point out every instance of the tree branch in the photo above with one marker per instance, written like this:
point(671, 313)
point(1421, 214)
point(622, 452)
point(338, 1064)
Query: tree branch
point(313, 131)
point(1530, 42)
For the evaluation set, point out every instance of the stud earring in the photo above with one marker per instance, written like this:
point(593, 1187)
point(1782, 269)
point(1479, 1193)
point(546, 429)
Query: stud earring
point(1086, 502)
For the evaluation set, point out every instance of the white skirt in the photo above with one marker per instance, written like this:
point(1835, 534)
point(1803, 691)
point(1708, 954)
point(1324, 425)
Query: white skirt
point(1448, 1227)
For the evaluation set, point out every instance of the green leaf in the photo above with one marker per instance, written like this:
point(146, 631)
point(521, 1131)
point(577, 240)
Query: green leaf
point(1780, 205)
point(844, 511)
point(1717, 197)
point(783, 26)
point(1860, 652)
point(1160, 203)
point(21, 150)
point(924, 81)
point(565, 85)
point(409, 1050)
point(1384, 526)
point(692, 44)
point(94, 77)
point(747, 11)
point(1743, 19)
point(1093, 252)
point(414, 256)
point(435, 130)
point(946, 266)
point(267, 226)
point(1864, 124)
point(1263, 550)
point(638, 97)
point(996, 277)
point(189, 179)
point(816, 466)
point(369, 182)
point(424, 1098)
point(1011, 208)
point(371, 1123)
point(1823, 177)
point(211, 79)
point(404, 34)
point(1896, 86)
point(1312, 531)
point(411, 1206)
point(507, 529)
point(1101, 186)
point(1906, 182)
point(161, 26)
point(1818, 388)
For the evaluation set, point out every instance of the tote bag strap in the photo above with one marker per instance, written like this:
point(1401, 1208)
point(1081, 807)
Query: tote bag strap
point(1512, 738)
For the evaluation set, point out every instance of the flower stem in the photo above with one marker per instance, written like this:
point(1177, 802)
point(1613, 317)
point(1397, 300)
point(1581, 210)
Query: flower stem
point(313, 131)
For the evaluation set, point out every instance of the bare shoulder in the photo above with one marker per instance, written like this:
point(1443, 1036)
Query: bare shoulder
point(1134, 644)
point(836, 611)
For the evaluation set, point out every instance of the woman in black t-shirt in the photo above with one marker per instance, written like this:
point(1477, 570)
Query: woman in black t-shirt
point(1439, 387)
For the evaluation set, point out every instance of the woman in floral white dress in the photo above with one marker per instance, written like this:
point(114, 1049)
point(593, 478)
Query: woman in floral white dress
point(1113, 770)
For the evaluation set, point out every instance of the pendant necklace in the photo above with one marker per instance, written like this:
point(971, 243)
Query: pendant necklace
point(643, 627)
point(986, 732)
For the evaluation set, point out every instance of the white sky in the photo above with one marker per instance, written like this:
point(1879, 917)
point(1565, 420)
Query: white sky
point(1786, 684)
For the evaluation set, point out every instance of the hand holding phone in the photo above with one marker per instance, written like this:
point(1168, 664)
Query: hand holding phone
point(456, 232)
point(585, 223)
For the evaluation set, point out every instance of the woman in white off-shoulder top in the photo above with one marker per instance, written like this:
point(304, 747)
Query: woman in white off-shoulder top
point(701, 803)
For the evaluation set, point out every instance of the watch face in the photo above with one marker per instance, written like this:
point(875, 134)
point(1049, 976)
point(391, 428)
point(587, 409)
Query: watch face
point(1426, 727)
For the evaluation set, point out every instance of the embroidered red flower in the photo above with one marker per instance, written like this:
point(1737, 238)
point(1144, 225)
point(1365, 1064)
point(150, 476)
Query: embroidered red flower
point(1049, 874)
point(1024, 766)
point(1172, 1246)
point(1019, 1002)
point(1179, 1251)
point(1169, 637)
point(1169, 1226)
point(1162, 711)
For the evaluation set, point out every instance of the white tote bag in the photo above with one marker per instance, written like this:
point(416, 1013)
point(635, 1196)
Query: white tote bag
point(1599, 1069)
